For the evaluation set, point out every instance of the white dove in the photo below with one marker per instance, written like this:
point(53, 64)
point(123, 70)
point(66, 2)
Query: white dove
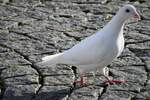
point(98, 50)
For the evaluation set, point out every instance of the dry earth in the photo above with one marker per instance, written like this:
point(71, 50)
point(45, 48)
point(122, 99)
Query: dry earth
point(31, 29)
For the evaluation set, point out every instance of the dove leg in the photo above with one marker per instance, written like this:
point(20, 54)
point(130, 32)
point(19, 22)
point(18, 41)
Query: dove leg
point(82, 80)
point(110, 80)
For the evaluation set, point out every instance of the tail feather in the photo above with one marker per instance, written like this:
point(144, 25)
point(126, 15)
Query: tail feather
point(51, 60)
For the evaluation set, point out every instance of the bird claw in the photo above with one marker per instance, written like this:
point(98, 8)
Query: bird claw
point(114, 81)
point(81, 82)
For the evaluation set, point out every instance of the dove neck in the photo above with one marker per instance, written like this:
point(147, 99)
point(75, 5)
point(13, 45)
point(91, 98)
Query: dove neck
point(115, 25)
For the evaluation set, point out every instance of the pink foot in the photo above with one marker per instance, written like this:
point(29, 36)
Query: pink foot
point(114, 81)
point(81, 82)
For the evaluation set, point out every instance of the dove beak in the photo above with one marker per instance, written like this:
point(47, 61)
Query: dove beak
point(136, 15)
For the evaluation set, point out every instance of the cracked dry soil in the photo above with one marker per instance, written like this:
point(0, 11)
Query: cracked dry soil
point(32, 29)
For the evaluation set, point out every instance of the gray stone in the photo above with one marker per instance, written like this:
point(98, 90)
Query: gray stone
point(16, 74)
point(86, 93)
point(17, 92)
point(53, 93)
point(117, 95)
point(144, 93)
point(147, 64)
point(60, 75)
point(30, 30)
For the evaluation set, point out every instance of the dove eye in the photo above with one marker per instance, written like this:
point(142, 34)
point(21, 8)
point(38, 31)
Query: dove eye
point(127, 10)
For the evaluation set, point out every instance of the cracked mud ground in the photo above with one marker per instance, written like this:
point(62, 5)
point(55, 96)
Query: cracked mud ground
point(31, 29)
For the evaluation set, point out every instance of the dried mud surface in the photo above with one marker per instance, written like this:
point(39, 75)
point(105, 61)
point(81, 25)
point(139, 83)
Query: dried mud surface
point(31, 29)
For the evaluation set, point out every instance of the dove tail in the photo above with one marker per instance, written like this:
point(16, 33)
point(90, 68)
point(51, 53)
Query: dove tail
point(51, 60)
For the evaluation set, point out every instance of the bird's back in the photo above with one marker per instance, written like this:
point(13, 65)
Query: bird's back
point(93, 52)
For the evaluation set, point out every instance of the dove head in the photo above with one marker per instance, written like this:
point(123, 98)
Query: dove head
point(128, 11)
